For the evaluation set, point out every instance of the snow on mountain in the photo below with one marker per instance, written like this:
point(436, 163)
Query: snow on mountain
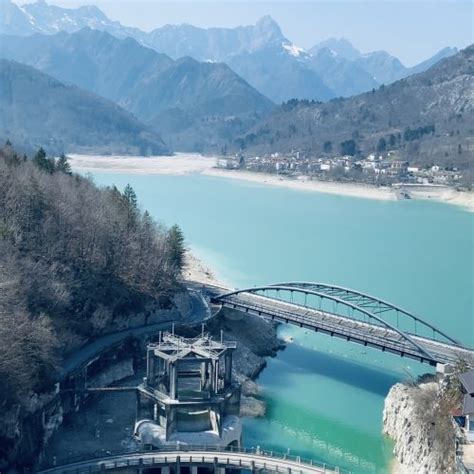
point(259, 53)
point(294, 50)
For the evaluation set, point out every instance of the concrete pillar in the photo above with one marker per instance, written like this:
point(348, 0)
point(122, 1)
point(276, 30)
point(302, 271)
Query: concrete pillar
point(165, 470)
point(173, 381)
point(178, 465)
point(202, 369)
point(137, 405)
point(228, 368)
point(212, 377)
point(216, 377)
point(194, 470)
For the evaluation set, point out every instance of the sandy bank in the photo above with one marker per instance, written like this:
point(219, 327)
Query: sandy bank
point(194, 163)
point(446, 195)
point(196, 270)
point(180, 163)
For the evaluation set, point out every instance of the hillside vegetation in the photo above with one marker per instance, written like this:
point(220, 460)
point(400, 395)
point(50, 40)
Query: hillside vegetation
point(38, 110)
point(427, 118)
point(73, 258)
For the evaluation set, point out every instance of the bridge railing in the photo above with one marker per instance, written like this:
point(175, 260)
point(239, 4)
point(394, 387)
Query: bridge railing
point(56, 463)
point(399, 317)
point(402, 344)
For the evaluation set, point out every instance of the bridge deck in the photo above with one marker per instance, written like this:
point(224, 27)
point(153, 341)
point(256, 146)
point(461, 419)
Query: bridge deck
point(365, 333)
point(206, 458)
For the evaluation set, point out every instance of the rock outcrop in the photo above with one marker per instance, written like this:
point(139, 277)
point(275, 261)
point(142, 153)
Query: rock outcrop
point(418, 419)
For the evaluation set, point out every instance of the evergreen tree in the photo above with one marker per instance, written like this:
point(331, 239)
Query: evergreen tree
point(63, 165)
point(176, 246)
point(130, 196)
point(327, 147)
point(349, 147)
point(130, 199)
point(382, 144)
point(41, 161)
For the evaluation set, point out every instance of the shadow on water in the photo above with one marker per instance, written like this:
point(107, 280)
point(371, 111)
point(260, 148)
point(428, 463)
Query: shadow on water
point(356, 374)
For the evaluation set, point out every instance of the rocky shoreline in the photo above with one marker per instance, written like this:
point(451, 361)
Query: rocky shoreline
point(417, 417)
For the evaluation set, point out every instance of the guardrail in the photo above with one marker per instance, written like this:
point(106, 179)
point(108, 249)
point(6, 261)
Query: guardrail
point(193, 454)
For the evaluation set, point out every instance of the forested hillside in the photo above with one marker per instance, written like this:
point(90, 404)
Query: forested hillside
point(426, 118)
point(73, 258)
point(38, 110)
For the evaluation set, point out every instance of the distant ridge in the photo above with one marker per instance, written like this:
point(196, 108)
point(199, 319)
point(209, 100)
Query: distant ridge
point(426, 118)
point(38, 110)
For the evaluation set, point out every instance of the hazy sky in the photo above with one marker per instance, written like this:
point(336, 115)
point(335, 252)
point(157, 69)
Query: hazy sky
point(410, 30)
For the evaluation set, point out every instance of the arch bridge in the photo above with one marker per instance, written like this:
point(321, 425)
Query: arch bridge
point(350, 315)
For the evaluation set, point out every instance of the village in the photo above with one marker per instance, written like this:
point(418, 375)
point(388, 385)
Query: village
point(378, 169)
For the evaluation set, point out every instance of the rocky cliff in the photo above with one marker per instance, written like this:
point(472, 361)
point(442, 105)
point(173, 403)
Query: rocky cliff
point(417, 418)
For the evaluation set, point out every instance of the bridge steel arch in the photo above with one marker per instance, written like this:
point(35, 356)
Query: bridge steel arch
point(371, 308)
point(374, 304)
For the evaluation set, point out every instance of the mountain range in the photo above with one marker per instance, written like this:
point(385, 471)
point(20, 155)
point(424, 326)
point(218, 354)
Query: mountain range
point(259, 53)
point(193, 105)
point(38, 110)
point(425, 118)
point(94, 84)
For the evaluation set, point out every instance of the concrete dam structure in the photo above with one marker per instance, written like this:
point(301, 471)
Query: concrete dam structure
point(188, 395)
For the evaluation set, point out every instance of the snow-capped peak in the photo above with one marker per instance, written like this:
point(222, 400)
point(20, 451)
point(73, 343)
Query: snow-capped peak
point(294, 50)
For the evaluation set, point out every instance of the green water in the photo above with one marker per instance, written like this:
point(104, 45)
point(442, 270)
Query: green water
point(325, 397)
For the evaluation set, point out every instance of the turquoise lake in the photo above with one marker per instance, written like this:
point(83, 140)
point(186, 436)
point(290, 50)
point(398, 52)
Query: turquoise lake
point(325, 397)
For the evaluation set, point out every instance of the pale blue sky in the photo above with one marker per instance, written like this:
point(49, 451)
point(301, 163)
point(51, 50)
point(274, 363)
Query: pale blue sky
point(410, 30)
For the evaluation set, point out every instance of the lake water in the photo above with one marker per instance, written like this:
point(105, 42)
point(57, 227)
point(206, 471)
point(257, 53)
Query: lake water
point(325, 397)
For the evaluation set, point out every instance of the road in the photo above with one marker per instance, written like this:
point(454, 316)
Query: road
point(81, 357)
